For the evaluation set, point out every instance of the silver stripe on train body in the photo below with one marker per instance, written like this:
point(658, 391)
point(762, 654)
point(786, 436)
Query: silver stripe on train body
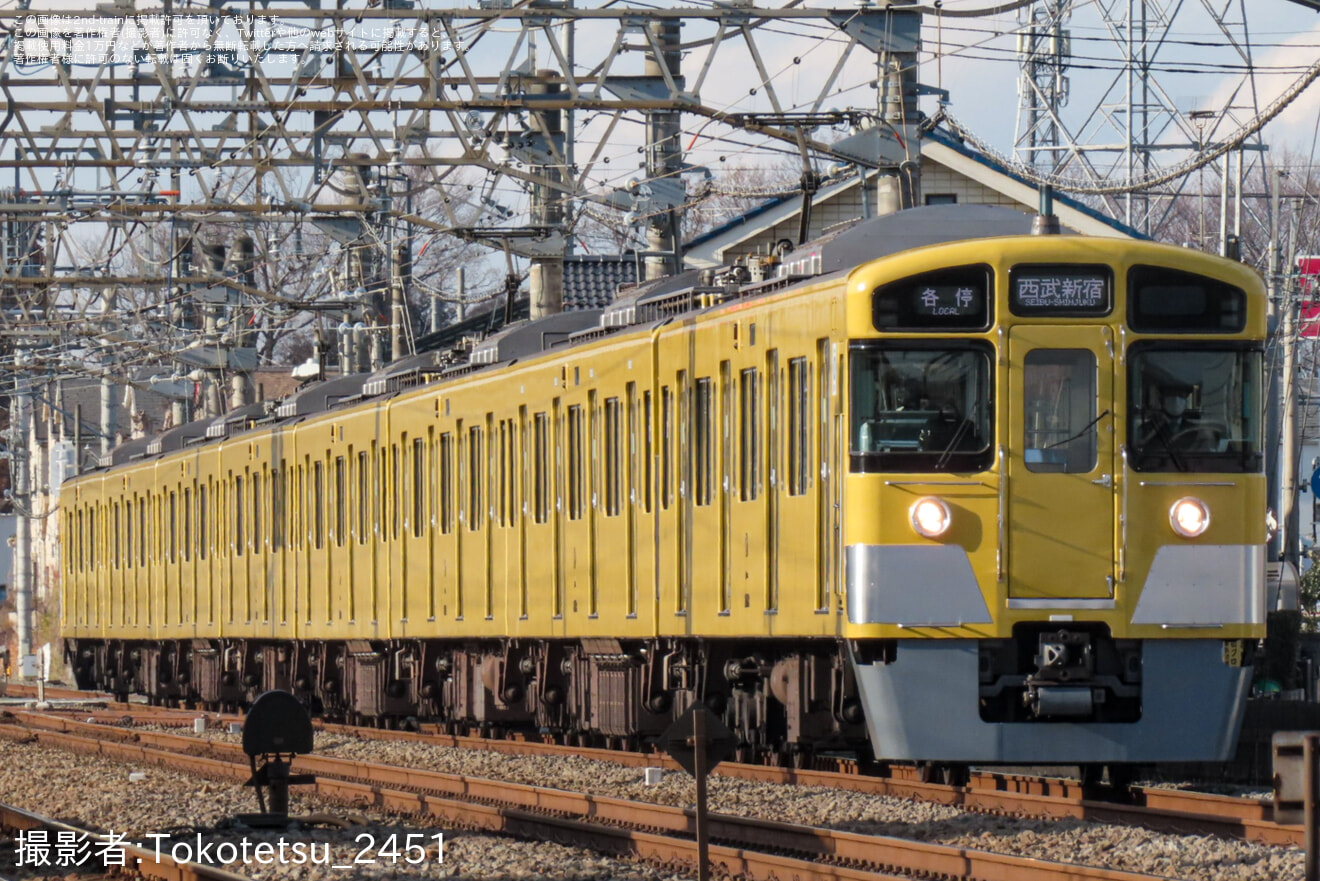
point(913, 585)
point(1197, 584)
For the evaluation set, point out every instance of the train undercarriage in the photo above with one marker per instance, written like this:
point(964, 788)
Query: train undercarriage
point(785, 700)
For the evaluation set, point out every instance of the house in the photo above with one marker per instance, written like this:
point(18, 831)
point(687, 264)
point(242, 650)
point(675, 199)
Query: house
point(951, 173)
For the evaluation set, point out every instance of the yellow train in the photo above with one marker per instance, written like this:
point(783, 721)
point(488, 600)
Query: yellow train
point(966, 493)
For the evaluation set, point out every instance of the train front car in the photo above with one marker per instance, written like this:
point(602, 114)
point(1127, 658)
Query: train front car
point(1055, 507)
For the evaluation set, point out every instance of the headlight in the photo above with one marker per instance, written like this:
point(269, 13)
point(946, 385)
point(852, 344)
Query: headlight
point(1189, 517)
point(930, 517)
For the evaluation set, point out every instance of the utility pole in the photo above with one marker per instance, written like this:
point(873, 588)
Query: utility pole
point(400, 346)
point(21, 460)
point(109, 400)
point(1274, 392)
point(460, 281)
point(1288, 514)
point(664, 159)
point(240, 336)
point(546, 280)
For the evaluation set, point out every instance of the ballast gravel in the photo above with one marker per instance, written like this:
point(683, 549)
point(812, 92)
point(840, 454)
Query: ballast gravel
point(1199, 858)
point(1069, 841)
point(95, 792)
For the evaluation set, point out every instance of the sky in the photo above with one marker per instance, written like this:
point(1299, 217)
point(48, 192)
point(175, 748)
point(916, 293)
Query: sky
point(1285, 35)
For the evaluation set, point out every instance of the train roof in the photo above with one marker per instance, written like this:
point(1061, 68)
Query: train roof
point(840, 250)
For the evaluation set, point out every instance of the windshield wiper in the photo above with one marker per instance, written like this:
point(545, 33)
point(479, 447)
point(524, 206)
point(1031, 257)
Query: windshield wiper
point(953, 442)
point(1162, 432)
point(1085, 428)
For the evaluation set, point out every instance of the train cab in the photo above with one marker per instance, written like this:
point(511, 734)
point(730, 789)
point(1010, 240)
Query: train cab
point(1054, 512)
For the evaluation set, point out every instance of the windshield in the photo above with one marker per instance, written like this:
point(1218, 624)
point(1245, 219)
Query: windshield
point(921, 407)
point(1194, 409)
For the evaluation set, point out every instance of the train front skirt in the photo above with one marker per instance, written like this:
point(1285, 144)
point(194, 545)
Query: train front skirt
point(924, 705)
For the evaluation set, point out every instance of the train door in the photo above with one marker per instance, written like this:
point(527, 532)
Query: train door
point(1061, 454)
point(415, 578)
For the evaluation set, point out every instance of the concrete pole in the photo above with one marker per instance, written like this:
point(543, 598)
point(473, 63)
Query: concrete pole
point(22, 463)
point(898, 105)
point(109, 401)
point(1223, 206)
point(398, 316)
point(546, 279)
point(1288, 514)
point(109, 413)
point(461, 282)
point(241, 389)
point(663, 153)
point(1273, 389)
point(398, 302)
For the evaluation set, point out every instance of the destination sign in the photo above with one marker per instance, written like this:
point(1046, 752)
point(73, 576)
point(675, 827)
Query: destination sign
point(956, 298)
point(1060, 290)
point(948, 300)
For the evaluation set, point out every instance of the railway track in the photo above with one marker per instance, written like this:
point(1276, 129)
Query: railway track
point(1163, 810)
point(755, 849)
point(139, 861)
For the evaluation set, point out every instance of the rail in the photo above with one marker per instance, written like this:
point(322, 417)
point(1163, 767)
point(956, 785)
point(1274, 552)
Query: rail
point(754, 848)
point(138, 860)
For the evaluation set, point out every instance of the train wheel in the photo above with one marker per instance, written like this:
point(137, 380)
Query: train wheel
point(1091, 775)
point(957, 774)
point(954, 774)
point(1122, 776)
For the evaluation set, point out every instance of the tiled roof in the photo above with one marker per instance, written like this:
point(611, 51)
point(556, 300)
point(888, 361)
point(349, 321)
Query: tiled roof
point(591, 282)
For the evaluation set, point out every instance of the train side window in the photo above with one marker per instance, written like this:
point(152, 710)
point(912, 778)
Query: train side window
point(726, 476)
point(432, 478)
point(142, 532)
point(173, 549)
point(612, 457)
point(799, 427)
point(379, 468)
point(540, 468)
point(258, 506)
point(475, 468)
point(749, 434)
point(187, 524)
point(298, 509)
point(666, 447)
point(279, 478)
point(446, 483)
point(341, 500)
point(240, 527)
point(591, 464)
point(419, 487)
point(318, 504)
point(114, 516)
point(396, 492)
point(1061, 431)
point(574, 478)
point(647, 451)
point(364, 496)
point(129, 544)
point(500, 461)
point(632, 447)
point(203, 536)
point(703, 441)
point(683, 457)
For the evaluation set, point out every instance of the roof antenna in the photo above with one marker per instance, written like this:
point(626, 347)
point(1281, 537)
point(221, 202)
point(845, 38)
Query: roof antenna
point(1046, 223)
